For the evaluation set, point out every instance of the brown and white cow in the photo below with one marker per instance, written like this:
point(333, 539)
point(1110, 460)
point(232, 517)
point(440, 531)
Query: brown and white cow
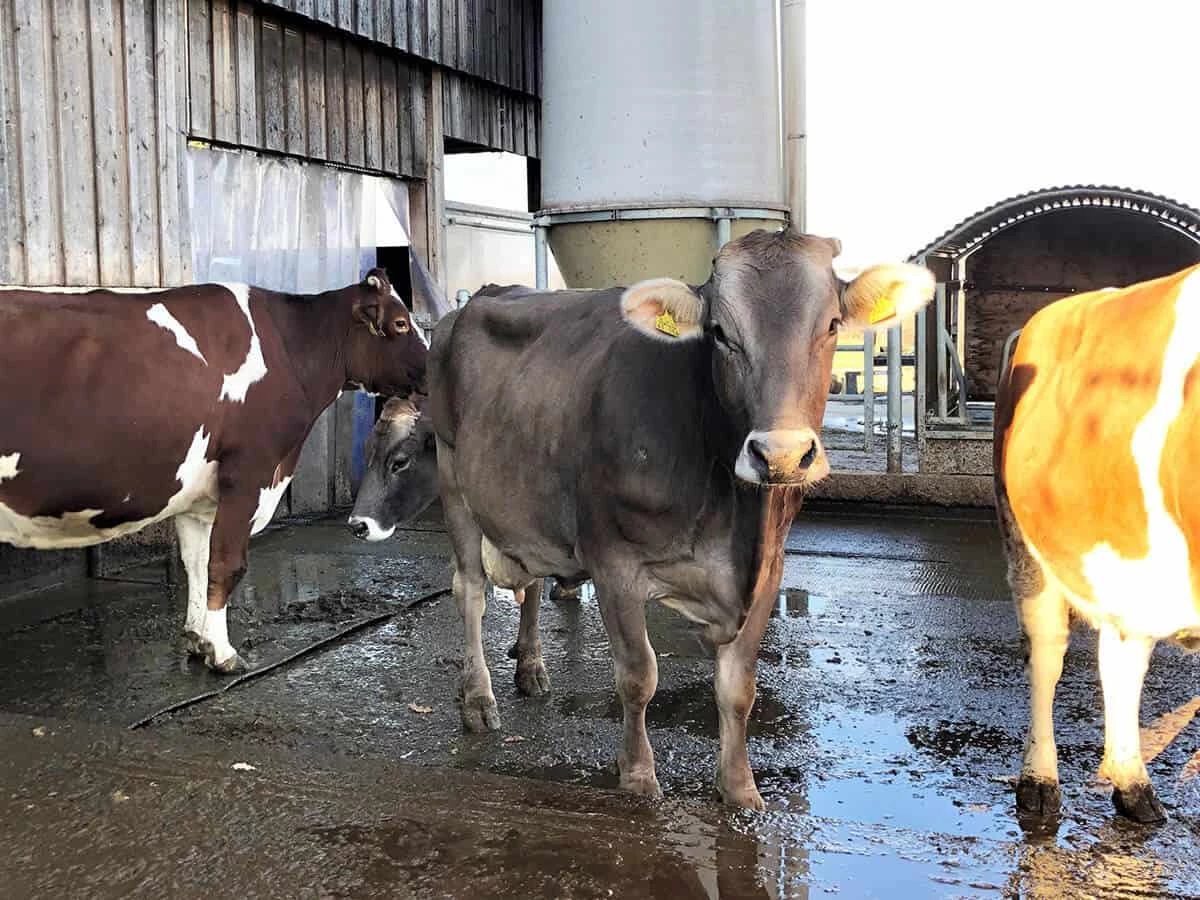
point(119, 410)
point(1097, 424)
point(654, 439)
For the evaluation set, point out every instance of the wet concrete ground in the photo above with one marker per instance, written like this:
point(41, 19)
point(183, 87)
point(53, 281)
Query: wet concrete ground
point(890, 720)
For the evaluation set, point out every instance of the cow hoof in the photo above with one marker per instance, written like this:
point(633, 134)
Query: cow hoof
point(745, 796)
point(231, 666)
point(1139, 804)
point(532, 680)
point(644, 783)
point(479, 714)
point(1038, 796)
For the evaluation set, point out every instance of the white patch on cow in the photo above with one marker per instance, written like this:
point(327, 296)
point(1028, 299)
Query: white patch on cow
point(197, 476)
point(254, 368)
point(216, 632)
point(8, 466)
point(1152, 596)
point(268, 500)
point(161, 316)
point(195, 534)
point(375, 532)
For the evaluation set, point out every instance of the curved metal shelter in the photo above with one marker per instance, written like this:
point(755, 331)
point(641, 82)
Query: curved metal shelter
point(968, 234)
point(942, 407)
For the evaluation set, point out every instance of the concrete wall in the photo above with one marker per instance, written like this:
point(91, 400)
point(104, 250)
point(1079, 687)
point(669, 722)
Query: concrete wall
point(1079, 249)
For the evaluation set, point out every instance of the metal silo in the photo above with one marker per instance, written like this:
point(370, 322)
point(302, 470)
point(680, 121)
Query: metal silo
point(661, 134)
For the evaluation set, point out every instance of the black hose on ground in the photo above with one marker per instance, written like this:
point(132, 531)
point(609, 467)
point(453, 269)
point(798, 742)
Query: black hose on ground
point(290, 658)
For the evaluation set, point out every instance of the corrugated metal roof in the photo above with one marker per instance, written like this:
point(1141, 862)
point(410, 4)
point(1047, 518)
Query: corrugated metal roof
point(976, 229)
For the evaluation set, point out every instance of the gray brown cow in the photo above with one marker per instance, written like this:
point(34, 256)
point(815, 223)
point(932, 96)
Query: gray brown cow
point(653, 439)
point(120, 410)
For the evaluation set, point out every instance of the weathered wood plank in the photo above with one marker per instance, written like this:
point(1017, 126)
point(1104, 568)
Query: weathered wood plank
point(314, 74)
point(41, 200)
point(335, 100)
point(345, 14)
point(419, 87)
point(295, 107)
point(450, 33)
point(391, 125)
point(372, 112)
point(141, 146)
point(503, 36)
point(200, 67)
point(171, 111)
point(383, 22)
point(404, 110)
point(249, 103)
point(325, 11)
point(364, 18)
point(433, 30)
point(70, 37)
point(305, 8)
point(400, 23)
point(355, 143)
point(272, 87)
point(111, 163)
point(416, 27)
point(224, 71)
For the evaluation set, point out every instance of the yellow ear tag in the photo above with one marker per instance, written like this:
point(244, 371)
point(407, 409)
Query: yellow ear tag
point(666, 324)
point(884, 308)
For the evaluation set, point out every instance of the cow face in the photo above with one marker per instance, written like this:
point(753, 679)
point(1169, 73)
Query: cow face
point(771, 314)
point(401, 477)
point(386, 352)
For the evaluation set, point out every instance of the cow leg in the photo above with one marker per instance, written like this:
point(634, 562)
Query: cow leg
point(194, 535)
point(1123, 663)
point(1045, 624)
point(226, 565)
point(735, 675)
point(636, 669)
point(531, 677)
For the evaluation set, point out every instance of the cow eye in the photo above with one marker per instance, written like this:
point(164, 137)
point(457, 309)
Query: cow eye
point(719, 335)
point(399, 464)
point(402, 326)
point(834, 325)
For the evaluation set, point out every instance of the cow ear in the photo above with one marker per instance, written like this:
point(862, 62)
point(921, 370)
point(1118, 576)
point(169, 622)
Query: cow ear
point(884, 296)
point(665, 309)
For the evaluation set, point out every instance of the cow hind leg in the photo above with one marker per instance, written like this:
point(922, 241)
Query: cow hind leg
point(636, 670)
point(194, 535)
point(1123, 663)
point(531, 677)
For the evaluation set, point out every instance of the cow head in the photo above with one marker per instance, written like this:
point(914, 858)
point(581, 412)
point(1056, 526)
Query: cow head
point(386, 351)
point(401, 477)
point(771, 313)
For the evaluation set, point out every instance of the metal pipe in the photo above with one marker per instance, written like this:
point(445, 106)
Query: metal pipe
point(540, 260)
point(921, 396)
point(723, 230)
point(895, 405)
point(868, 391)
point(939, 304)
point(792, 73)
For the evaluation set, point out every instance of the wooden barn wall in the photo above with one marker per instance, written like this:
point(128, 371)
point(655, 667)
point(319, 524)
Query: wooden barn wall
point(92, 107)
point(481, 113)
point(267, 82)
point(498, 41)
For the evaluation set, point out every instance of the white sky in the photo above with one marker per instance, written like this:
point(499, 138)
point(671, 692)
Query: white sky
point(922, 112)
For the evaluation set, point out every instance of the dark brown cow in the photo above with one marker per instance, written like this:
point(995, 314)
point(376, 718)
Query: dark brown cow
point(119, 410)
point(654, 439)
point(1097, 423)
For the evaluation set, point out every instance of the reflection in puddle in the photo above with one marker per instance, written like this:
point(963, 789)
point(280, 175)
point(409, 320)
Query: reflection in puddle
point(797, 602)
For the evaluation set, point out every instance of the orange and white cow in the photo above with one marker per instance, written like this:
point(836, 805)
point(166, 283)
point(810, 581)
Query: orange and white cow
point(1097, 431)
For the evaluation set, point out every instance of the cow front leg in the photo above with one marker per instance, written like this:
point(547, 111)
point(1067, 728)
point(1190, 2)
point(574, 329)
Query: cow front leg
point(1123, 663)
point(636, 670)
point(531, 677)
point(1045, 625)
point(194, 533)
point(226, 565)
point(735, 675)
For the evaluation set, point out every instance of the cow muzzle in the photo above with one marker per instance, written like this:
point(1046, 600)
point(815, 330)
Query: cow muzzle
point(782, 456)
point(366, 528)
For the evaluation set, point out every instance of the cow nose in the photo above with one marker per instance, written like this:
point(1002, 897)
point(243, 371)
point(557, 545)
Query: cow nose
point(784, 456)
point(359, 529)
